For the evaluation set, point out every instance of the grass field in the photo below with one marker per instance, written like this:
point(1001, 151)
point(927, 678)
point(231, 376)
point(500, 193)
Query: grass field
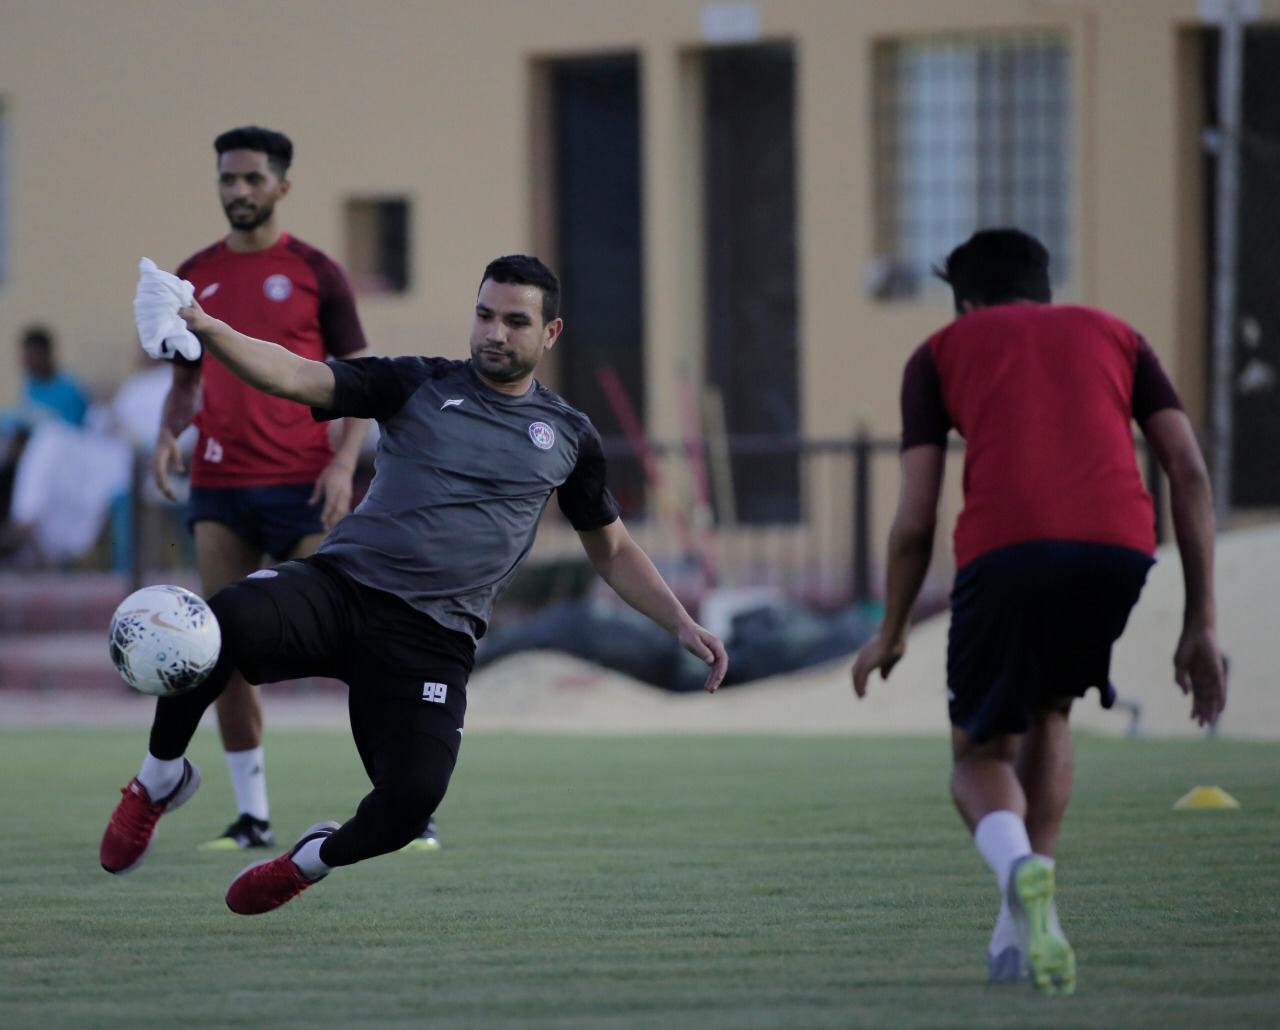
point(640, 882)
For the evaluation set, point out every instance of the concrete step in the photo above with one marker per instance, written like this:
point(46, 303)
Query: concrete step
point(51, 602)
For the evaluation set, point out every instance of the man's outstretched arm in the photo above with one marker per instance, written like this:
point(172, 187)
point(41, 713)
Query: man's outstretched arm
point(623, 564)
point(264, 366)
point(1198, 666)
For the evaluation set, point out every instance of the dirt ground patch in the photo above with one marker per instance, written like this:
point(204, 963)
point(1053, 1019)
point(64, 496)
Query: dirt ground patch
point(548, 692)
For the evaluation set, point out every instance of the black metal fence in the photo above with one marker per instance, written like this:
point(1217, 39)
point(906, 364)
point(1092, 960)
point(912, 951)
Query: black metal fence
point(808, 518)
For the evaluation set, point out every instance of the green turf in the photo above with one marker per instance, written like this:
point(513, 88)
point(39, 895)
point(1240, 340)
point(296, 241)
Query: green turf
point(644, 882)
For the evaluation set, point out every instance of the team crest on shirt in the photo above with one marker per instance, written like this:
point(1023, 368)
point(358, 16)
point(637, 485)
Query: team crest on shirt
point(277, 287)
point(542, 435)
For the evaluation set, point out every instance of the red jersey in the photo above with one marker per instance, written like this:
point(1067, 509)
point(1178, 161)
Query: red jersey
point(290, 294)
point(1044, 396)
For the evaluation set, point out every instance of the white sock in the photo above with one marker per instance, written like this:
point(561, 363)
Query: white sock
point(1005, 934)
point(160, 776)
point(308, 859)
point(249, 780)
point(1002, 839)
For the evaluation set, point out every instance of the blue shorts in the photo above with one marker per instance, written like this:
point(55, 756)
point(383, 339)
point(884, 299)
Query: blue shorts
point(271, 518)
point(1032, 627)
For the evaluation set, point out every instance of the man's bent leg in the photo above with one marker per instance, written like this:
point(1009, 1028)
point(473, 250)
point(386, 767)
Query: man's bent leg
point(411, 774)
point(167, 779)
point(983, 779)
point(1027, 939)
point(240, 711)
point(1045, 767)
point(990, 800)
point(398, 808)
point(409, 764)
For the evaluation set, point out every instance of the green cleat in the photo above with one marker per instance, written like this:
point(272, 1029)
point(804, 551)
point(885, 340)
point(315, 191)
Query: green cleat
point(1031, 890)
point(245, 832)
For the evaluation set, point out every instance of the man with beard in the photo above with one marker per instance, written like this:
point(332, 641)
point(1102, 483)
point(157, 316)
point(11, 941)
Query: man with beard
point(266, 483)
point(394, 600)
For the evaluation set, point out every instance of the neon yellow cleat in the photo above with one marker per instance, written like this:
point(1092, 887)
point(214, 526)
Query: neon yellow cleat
point(1031, 890)
point(245, 832)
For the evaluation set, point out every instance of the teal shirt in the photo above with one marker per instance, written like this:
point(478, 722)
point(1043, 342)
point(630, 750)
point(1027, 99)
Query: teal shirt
point(60, 394)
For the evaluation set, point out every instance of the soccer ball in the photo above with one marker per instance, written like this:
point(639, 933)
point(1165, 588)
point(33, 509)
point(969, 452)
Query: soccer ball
point(164, 640)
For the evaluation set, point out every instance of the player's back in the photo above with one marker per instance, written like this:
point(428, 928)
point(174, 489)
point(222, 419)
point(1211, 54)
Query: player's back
point(1043, 396)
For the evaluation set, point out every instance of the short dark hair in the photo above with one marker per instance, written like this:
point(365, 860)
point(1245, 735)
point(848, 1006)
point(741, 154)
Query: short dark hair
point(997, 266)
point(276, 145)
point(525, 270)
point(38, 337)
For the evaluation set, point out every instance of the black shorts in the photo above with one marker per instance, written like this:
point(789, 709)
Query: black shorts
point(271, 518)
point(308, 618)
point(1032, 627)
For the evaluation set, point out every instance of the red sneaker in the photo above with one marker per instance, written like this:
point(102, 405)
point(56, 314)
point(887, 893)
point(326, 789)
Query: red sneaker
point(132, 827)
point(267, 885)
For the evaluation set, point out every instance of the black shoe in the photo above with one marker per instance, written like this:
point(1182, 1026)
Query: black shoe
point(245, 832)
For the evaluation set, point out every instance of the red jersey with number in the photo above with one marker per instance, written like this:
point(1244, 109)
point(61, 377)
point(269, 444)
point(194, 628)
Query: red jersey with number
point(291, 294)
point(1044, 396)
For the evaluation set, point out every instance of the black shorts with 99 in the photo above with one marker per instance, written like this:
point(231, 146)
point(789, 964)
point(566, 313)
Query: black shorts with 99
point(406, 672)
point(1032, 627)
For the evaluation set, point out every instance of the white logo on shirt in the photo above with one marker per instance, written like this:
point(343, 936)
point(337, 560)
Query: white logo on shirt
point(277, 287)
point(209, 290)
point(452, 402)
point(212, 450)
point(542, 435)
point(435, 692)
point(263, 574)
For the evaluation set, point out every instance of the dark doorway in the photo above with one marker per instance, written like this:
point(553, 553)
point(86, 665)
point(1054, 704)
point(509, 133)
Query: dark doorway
point(1255, 393)
point(750, 204)
point(596, 105)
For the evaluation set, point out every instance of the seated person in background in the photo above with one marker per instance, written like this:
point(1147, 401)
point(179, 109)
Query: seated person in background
point(47, 392)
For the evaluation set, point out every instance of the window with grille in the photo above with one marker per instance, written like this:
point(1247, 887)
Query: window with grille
point(971, 132)
point(378, 244)
point(4, 199)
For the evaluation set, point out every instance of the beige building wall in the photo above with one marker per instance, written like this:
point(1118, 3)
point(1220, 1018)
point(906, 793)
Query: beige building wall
point(111, 109)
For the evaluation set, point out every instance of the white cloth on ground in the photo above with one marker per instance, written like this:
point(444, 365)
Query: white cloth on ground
point(161, 331)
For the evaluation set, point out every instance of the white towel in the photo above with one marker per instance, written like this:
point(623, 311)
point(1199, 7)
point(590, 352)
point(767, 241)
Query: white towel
point(155, 312)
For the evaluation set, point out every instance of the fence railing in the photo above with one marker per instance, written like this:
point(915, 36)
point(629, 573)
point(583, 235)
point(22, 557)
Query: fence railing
point(806, 517)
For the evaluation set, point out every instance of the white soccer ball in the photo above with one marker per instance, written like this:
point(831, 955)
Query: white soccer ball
point(164, 640)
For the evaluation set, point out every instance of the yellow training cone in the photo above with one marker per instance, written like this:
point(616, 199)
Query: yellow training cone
point(1206, 797)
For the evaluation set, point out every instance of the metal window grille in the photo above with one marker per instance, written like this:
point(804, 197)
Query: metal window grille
point(971, 132)
point(4, 198)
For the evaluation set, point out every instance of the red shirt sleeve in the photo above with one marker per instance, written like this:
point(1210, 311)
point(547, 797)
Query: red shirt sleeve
point(1152, 390)
point(339, 323)
point(924, 416)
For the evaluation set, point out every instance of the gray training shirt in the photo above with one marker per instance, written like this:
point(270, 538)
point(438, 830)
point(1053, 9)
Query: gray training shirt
point(462, 476)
